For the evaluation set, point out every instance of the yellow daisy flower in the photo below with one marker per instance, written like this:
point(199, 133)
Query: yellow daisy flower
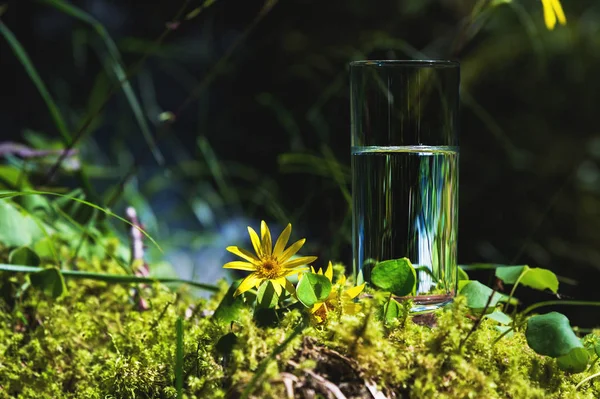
point(553, 11)
point(339, 299)
point(270, 263)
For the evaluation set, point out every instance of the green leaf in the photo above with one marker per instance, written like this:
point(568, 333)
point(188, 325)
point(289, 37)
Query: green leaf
point(266, 297)
point(313, 288)
point(462, 275)
point(510, 274)
point(5, 194)
point(266, 317)
point(23, 256)
point(226, 343)
point(397, 276)
point(551, 335)
point(50, 281)
point(500, 317)
point(575, 361)
point(503, 329)
point(25, 61)
point(10, 177)
point(16, 229)
point(44, 248)
point(116, 64)
point(230, 306)
point(392, 310)
point(478, 295)
point(536, 278)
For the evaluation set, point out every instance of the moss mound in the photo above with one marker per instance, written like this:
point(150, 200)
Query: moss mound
point(94, 342)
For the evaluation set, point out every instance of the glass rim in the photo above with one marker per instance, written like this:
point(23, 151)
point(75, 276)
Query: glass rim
point(406, 63)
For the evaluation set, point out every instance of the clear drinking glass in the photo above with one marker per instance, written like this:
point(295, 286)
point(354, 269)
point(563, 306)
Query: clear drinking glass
point(405, 171)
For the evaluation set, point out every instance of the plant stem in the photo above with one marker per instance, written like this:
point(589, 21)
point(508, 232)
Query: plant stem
point(552, 303)
point(109, 278)
point(586, 379)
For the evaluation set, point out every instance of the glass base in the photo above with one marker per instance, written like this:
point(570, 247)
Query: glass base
point(429, 303)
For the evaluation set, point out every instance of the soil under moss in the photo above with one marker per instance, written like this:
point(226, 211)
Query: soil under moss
point(94, 342)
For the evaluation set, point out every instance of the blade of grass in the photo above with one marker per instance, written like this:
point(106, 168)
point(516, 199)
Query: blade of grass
point(12, 194)
point(110, 278)
point(93, 237)
point(216, 170)
point(558, 303)
point(80, 133)
point(25, 61)
point(117, 68)
point(179, 358)
point(531, 30)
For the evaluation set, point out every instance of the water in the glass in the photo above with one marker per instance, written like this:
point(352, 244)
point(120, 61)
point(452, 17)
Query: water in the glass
point(407, 207)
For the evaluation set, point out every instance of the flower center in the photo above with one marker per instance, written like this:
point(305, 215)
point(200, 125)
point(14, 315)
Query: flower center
point(269, 269)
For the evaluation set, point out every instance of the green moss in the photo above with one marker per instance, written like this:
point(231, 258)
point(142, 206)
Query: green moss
point(94, 342)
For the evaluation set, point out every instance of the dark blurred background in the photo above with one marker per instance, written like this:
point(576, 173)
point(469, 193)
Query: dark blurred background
point(247, 102)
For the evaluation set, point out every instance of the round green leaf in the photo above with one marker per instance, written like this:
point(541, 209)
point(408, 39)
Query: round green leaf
point(503, 329)
point(16, 229)
point(266, 297)
point(50, 281)
point(23, 256)
point(230, 306)
point(551, 335)
point(462, 275)
point(225, 344)
point(478, 295)
point(313, 288)
point(397, 276)
point(500, 317)
point(392, 310)
point(536, 278)
point(510, 274)
point(540, 279)
point(575, 361)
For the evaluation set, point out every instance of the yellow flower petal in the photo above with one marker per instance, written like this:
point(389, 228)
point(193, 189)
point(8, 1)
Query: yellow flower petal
point(549, 16)
point(351, 308)
point(291, 272)
point(329, 271)
point(265, 234)
point(289, 287)
point(282, 240)
point(239, 265)
point(316, 307)
point(353, 292)
point(247, 284)
point(255, 241)
point(312, 270)
point(558, 10)
point(278, 285)
point(305, 260)
point(342, 280)
point(291, 251)
point(242, 253)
